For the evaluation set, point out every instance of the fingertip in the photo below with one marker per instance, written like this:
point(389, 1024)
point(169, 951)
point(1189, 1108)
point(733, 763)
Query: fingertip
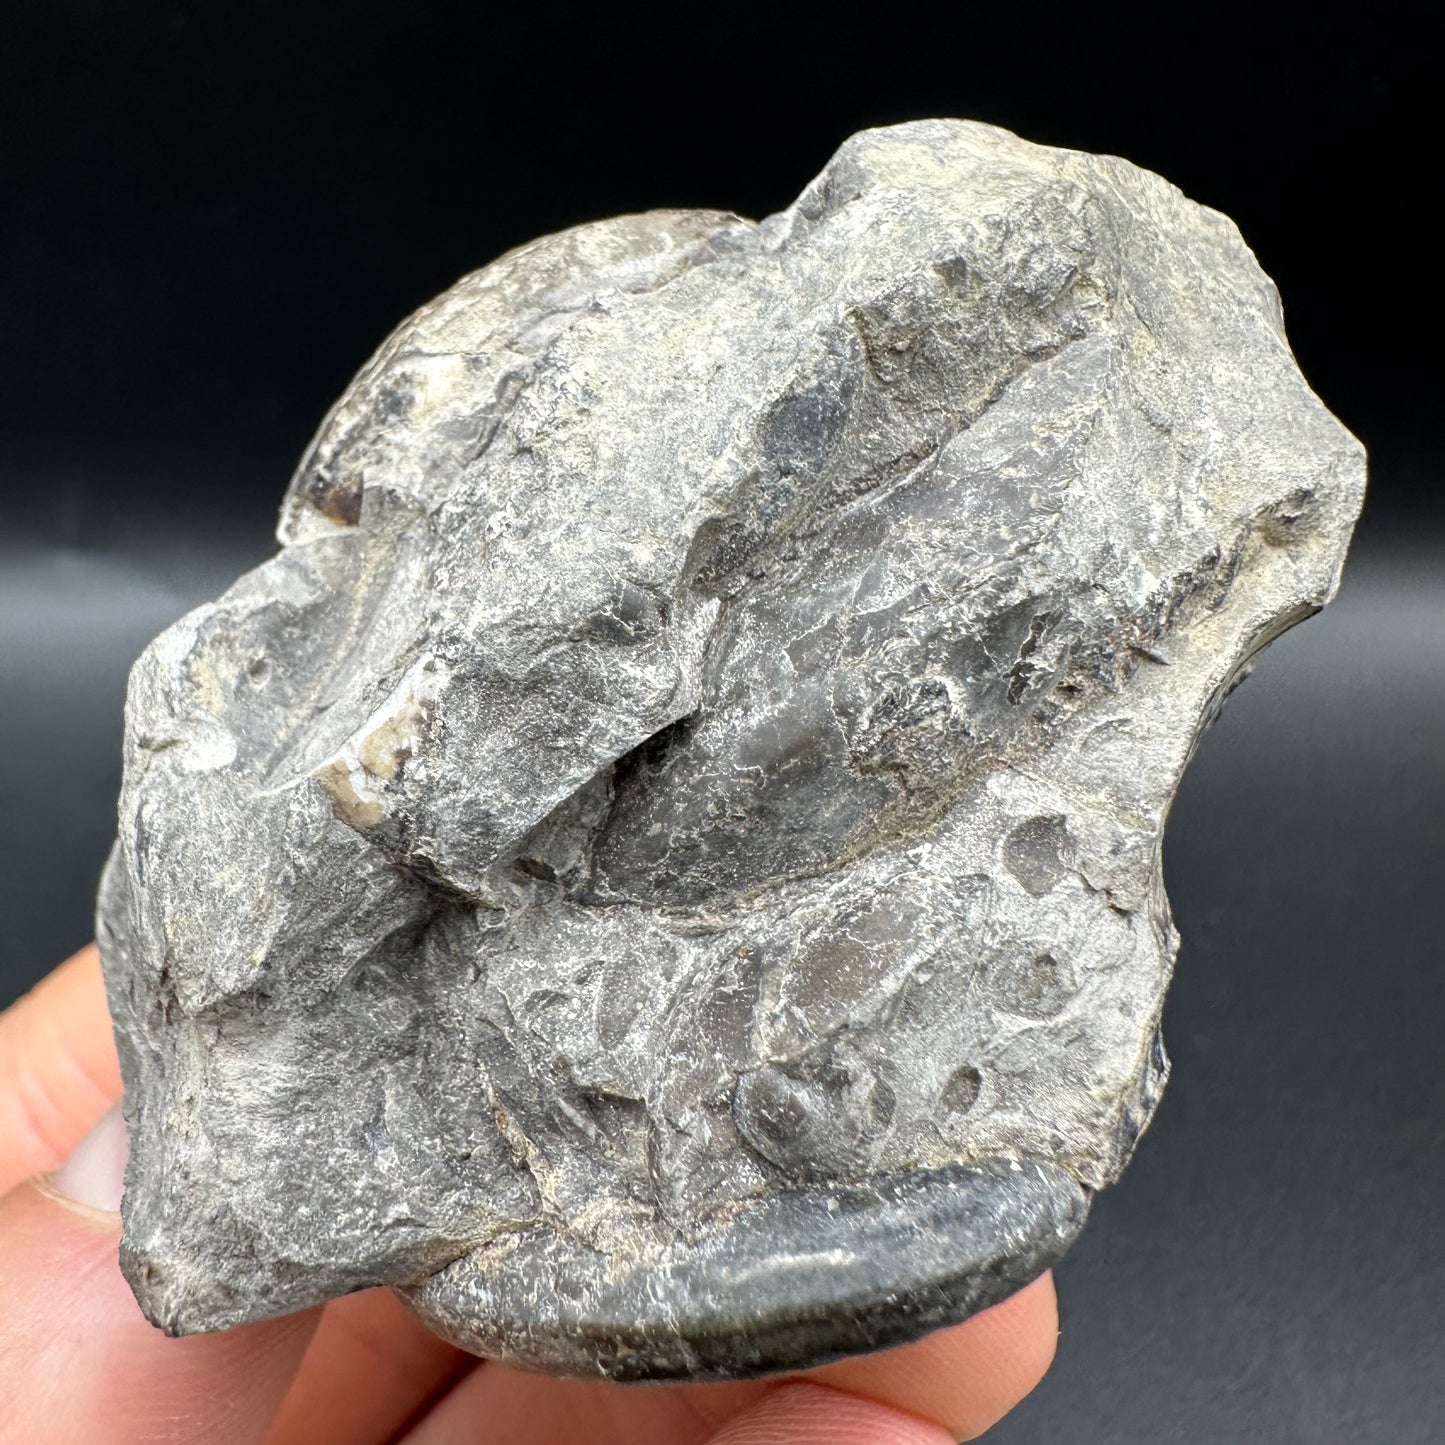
point(58, 1068)
point(805, 1413)
point(966, 1377)
point(370, 1368)
point(1026, 1329)
point(94, 1175)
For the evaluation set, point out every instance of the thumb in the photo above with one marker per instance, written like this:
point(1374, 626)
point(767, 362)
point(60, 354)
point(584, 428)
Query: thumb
point(78, 1360)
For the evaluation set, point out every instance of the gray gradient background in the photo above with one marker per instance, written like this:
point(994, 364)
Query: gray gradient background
point(206, 224)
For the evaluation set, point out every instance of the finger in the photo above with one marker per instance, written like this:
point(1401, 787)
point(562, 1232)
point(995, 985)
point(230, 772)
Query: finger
point(77, 1359)
point(496, 1404)
point(58, 1070)
point(371, 1367)
point(968, 1377)
point(803, 1413)
point(964, 1379)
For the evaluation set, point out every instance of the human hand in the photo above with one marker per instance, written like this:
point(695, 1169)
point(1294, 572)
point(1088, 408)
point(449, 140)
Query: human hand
point(79, 1365)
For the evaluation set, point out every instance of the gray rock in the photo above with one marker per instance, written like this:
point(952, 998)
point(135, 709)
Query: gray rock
point(664, 865)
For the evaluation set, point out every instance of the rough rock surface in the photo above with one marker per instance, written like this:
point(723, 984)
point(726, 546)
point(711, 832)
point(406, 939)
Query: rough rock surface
point(664, 864)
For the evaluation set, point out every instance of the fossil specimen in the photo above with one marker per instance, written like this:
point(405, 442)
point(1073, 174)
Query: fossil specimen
point(663, 866)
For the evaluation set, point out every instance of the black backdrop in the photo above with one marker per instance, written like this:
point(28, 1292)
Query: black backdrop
point(211, 213)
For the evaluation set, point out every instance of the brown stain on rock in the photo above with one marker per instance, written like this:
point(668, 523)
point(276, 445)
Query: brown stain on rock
point(337, 499)
point(348, 805)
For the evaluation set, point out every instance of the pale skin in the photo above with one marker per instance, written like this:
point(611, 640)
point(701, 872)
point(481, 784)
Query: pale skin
point(78, 1362)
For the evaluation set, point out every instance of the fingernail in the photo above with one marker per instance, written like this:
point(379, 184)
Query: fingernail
point(95, 1174)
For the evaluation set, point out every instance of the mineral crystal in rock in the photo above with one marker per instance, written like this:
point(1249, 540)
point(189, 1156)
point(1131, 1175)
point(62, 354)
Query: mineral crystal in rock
point(663, 867)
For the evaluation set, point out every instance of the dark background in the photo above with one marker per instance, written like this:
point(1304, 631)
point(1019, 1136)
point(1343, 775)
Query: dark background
point(210, 213)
